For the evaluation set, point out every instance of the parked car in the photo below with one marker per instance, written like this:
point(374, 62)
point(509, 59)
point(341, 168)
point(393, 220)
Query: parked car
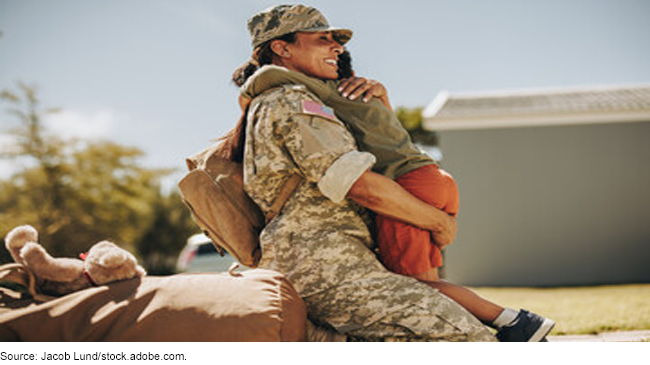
point(200, 255)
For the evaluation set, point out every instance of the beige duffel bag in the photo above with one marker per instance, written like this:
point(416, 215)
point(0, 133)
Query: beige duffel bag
point(255, 305)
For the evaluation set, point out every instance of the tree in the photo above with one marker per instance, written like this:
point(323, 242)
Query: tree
point(36, 194)
point(411, 119)
point(74, 192)
point(165, 238)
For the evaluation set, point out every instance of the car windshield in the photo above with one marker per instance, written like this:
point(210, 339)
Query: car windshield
point(206, 248)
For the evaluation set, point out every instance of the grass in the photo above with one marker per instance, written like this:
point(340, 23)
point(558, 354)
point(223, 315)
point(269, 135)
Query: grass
point(581, 310)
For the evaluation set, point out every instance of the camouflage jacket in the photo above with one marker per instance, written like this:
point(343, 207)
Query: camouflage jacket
point(318, 240)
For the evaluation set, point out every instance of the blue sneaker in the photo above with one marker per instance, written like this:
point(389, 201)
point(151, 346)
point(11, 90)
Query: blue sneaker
point(528, 327)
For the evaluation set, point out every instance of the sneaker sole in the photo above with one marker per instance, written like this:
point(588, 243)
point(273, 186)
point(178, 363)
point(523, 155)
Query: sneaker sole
point(542, 331)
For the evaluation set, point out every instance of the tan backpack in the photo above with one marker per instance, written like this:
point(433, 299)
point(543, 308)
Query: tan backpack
point(214, 192)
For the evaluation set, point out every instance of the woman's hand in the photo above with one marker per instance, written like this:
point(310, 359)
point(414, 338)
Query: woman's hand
point(355, 87)
point(445, 237)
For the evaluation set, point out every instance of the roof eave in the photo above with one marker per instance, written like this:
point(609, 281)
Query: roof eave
point(539, 120)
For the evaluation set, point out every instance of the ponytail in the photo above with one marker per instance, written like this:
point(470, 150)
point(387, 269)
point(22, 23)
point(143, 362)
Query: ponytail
point(245, 71)
point(232, 147)
point(262, 55)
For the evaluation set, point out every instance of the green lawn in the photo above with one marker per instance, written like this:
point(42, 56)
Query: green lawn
point(581, 310)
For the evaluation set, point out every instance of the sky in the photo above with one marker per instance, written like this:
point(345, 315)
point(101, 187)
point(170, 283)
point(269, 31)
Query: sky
point(156, 73)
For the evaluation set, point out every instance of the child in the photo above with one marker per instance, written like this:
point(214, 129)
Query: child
point(403, 248)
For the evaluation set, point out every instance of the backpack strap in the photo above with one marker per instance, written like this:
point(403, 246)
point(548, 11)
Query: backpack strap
point(286, 192)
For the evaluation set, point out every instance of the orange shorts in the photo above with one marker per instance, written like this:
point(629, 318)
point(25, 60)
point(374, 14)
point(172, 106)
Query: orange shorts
point(409, 250)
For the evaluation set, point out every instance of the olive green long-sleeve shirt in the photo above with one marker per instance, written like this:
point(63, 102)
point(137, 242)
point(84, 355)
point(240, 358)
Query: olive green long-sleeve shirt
point(375, 128)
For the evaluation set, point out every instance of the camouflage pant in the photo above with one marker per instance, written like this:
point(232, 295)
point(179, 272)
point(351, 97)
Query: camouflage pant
point(394, 310)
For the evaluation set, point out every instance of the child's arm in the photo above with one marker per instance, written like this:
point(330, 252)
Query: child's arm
point(271, 76)
point(354, 87)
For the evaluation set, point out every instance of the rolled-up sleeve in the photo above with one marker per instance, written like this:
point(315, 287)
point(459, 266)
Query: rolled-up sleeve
point(342, 174)
point(325, 153)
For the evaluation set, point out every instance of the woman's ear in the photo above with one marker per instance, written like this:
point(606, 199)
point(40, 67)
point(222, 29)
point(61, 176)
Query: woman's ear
point(279, 48)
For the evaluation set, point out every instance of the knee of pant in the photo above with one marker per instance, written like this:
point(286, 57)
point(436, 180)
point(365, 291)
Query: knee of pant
point(448, 179)
point(452, 187)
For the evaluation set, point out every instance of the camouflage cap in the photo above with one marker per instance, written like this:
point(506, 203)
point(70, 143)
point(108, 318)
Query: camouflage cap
point(284, 19)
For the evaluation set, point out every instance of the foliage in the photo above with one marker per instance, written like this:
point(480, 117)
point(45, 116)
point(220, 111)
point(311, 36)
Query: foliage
point(165, 238)
point(411, 119)
point(78, 192)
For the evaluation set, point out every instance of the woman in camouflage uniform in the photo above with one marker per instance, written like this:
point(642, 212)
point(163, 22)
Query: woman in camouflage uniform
point(320, 240)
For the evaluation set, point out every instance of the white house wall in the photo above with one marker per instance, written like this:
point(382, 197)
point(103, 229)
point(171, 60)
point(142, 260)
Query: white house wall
point(560, 205)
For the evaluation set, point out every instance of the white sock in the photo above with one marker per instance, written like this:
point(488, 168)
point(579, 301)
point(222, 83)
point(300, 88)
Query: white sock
point(507, 317)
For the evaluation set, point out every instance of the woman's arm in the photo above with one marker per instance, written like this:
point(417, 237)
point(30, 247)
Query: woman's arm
point(384, 196)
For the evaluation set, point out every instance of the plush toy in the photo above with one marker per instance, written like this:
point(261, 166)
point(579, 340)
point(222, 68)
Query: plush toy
point(103, 264)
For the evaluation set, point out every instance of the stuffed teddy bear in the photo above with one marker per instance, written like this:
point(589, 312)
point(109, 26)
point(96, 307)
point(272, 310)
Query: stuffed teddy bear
point(104, 263)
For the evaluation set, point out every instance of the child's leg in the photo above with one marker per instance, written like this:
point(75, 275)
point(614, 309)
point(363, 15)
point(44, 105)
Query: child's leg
point(406, 249)
point(512, 325)
point(480, 307)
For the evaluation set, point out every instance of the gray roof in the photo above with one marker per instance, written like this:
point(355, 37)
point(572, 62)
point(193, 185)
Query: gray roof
point(586, 105)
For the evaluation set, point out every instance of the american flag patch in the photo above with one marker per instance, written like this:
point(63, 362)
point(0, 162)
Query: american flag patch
point(312, 107)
